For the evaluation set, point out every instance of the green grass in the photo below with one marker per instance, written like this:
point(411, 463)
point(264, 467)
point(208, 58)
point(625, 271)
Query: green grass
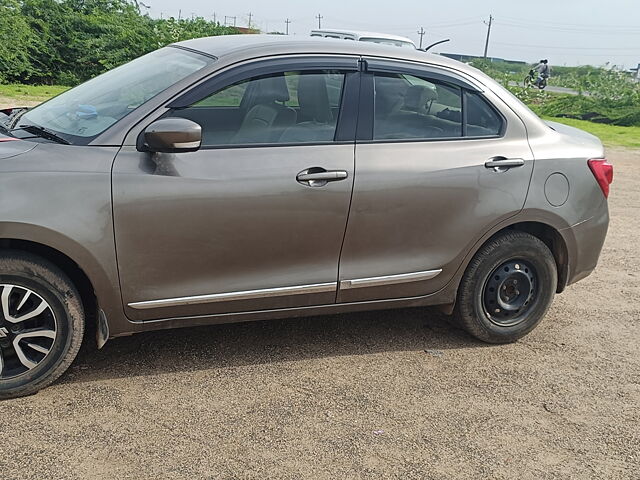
point(609, 134)
point(32, 93)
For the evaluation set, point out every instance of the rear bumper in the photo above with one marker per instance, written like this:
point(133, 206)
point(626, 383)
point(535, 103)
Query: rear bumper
point(584, 241)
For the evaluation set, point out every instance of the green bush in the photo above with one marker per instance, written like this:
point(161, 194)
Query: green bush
point(69, 41)
point(604, 96)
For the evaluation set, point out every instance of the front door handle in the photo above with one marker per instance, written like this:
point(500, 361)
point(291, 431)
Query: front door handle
point(501, 164)
point(319, 177)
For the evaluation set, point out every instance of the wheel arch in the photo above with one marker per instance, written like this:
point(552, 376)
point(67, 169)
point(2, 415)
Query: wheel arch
point(66, 264)
point(551, 237)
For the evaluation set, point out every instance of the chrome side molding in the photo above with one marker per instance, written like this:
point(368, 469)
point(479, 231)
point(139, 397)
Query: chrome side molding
point(284, 291)
point(389, 279)
point(244, 295)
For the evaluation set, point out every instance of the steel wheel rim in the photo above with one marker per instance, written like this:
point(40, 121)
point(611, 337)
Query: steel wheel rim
point(509, 293)
point(28, 330)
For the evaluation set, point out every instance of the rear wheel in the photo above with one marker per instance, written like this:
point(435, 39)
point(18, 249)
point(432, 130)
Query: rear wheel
point(507, 288)
point(41, 324)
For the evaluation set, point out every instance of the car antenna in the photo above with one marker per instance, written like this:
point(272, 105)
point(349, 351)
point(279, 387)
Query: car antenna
point(437, 43)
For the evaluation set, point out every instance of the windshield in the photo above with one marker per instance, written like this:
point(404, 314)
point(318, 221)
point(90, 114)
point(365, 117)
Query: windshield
point(388, 41)
point(84, 112)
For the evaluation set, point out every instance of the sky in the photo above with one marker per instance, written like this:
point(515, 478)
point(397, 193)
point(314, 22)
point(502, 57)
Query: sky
point(566, 32)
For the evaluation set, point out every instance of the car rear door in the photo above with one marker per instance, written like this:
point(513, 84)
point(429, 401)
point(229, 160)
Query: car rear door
point(255, 219)
point(438, 163)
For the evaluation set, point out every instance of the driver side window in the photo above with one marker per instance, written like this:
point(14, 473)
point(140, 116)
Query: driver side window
point(284, 108)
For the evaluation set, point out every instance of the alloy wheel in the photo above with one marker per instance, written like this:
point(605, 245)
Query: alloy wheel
point(28, 330)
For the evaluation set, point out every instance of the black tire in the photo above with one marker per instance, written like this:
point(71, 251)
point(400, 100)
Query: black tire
point(488, 282)
point(528, 81)
point(49, 284)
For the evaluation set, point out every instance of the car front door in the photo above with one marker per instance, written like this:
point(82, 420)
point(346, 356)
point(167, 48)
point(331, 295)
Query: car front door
point(438, 163)
point(255, 219)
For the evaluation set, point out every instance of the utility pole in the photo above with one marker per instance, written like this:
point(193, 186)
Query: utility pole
point(287, 22)
point(486, 44)
point(421, 32)
point(250, 17)
point(179, 14)
point(215, 18)
point(319, 17)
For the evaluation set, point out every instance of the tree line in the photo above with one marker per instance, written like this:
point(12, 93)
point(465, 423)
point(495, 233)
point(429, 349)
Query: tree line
point(68, 41)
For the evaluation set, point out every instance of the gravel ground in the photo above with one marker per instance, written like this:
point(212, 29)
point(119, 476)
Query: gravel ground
point(9, 102)
point(398, 394)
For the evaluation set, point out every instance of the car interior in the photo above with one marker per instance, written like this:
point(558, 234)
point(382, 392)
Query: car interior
point(408, 107)
point(303, 107)
point(292, 107)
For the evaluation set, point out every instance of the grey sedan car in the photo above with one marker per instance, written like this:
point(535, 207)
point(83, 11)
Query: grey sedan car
point(250, 177)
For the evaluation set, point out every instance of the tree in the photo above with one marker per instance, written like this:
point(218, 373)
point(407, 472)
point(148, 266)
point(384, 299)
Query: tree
point(16, 40)
point(69, 41)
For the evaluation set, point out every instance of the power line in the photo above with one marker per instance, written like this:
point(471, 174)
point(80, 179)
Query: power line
point(555, 47)
point(405, 27)
point(596, 30)
point(559, 24)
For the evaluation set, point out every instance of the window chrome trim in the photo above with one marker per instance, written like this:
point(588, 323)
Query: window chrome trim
point(231, 296)
point(389, 279)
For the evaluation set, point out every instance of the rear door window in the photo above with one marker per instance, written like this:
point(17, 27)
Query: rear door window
point(409, 107)
point(482, 119)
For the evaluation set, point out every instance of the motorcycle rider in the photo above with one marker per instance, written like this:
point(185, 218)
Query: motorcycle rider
point(544, 71)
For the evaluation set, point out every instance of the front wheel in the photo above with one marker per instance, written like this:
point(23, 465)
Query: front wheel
point(41, 324)
point(507, 288)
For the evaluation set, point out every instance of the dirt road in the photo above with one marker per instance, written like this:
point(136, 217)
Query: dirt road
point(8, 102)
point(377, 395)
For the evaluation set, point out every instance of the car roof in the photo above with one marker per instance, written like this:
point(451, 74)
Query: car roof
point(244, 47)
point(361, 34)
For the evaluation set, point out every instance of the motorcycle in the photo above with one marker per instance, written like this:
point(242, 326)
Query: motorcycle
point(531, 80)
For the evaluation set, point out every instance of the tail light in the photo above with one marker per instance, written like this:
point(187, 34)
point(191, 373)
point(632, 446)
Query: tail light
point(603, 171)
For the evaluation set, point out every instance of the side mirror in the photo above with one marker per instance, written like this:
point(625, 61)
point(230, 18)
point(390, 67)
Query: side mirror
point(172, 135)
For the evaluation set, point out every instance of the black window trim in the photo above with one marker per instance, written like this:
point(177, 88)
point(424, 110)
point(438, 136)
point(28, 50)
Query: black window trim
point(398, 66)
point(365, 130)
point(349, 101)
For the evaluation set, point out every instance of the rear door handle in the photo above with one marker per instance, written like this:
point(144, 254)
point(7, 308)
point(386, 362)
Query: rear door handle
point(500, 164)
point(318, 177)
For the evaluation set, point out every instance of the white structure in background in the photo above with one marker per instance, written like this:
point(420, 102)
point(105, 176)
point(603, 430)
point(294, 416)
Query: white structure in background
point(374, 37)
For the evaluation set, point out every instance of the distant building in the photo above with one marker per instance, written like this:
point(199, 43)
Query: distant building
point(467, 58)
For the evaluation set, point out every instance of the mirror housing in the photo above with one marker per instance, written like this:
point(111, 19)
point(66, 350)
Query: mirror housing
point(172, 135)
